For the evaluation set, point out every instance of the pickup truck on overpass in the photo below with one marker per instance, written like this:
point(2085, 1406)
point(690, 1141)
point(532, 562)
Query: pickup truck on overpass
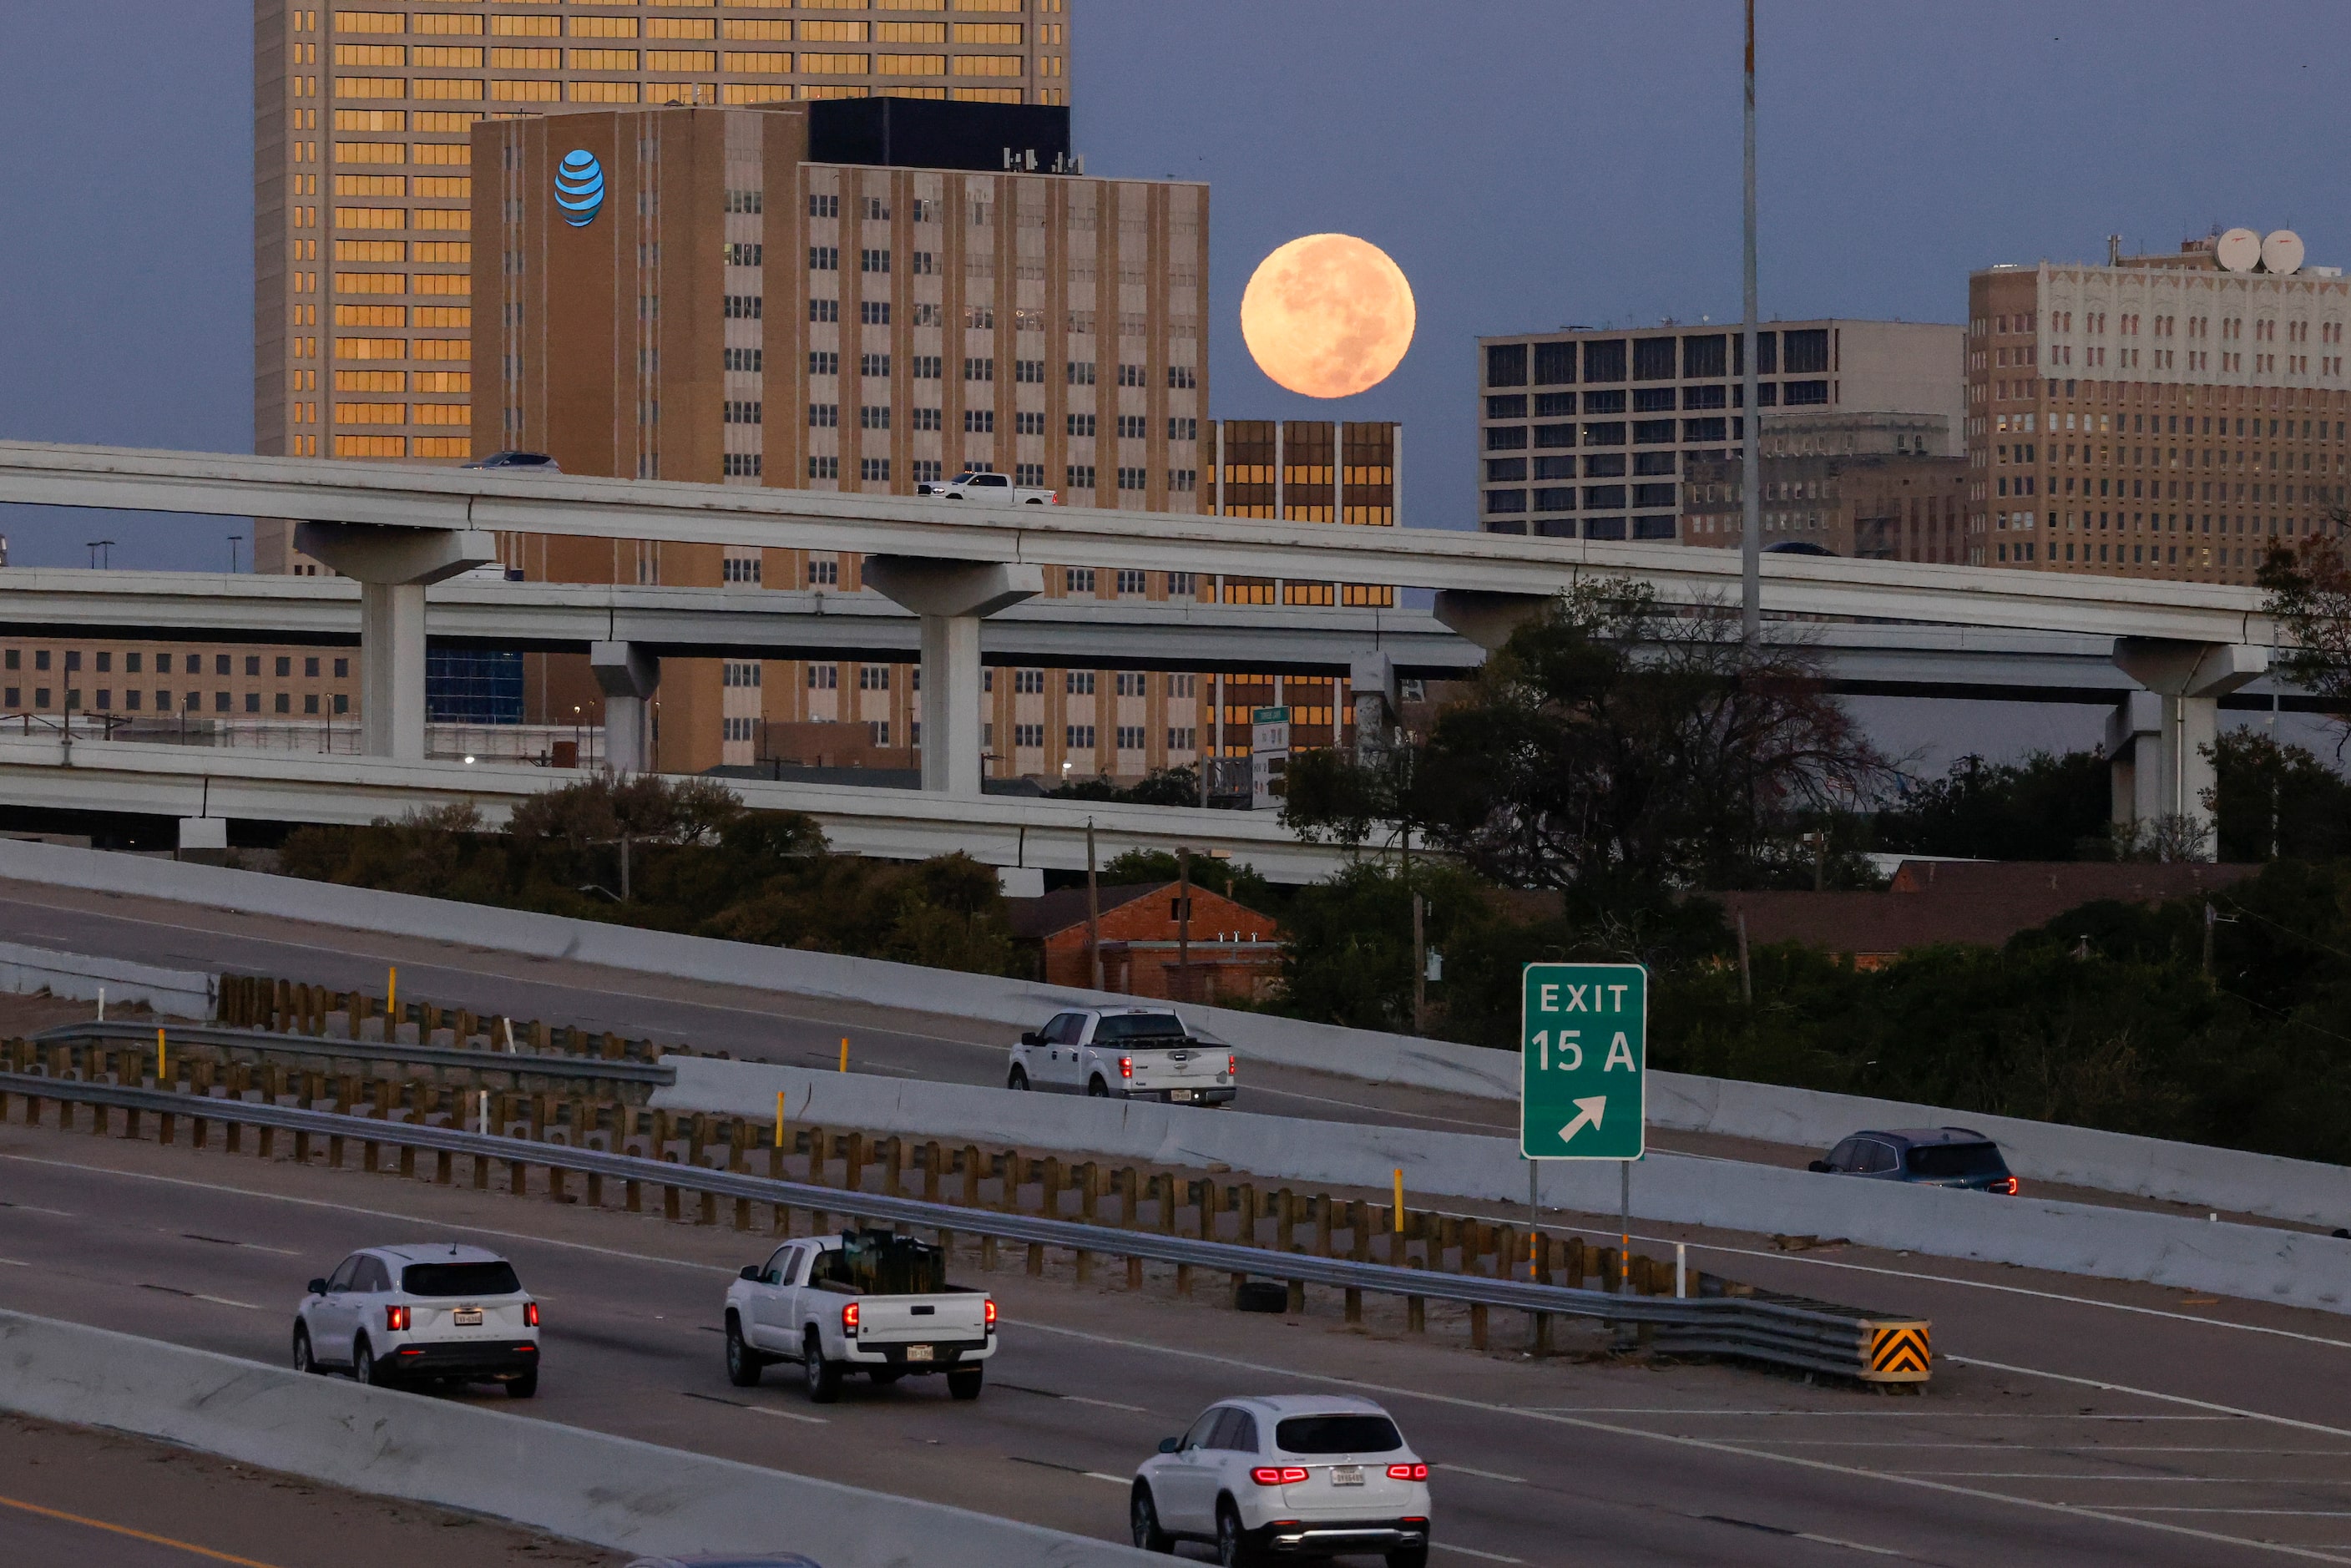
point(996, 489)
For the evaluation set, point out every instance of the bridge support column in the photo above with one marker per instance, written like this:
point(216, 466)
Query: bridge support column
point(1487, 619)
point(629, 676)
point(2186, 682)
point(952, 597)
point(1372, 680)
point(393, 566)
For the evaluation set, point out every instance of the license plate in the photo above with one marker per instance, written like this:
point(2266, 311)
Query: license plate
point(1180, 1095)
point(920, 1352)
point(466, 1317)
point(1346, 1475)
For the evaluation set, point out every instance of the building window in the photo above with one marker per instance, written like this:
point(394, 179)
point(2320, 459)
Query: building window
point(874, 416)
point(1029, 682)
point(877, 730)
point(1132, 478)
point(1505, 501)
point(925, 367)
point(1131, 581)
point(1031, 473)
point(1078, 683)
point(978, 370)
point(875, 365)
point(342, 669)
point(1078, 580)
point(741, 465)
point(819, 310)
point(283, 703)
point(1079, 736)
point(824, 362)
point(872, 261)
point(873, 677)
point(824, 258)
point(1130, 737)
point(824, 468)
point(824, 574)
point(744, 307)
point(309, 668)
point(342, 702)
point(1554, 364)
point(1182, 377)
point(824, 415)
point(823, 677)
point(253, 702)
point(1081, 477)
point(874, 312)
point(1029, 735)
point(979, 422)
point(309, 702)
point(1082, 372)
point(739, 412)
point(873, 470)
point(1081, 424)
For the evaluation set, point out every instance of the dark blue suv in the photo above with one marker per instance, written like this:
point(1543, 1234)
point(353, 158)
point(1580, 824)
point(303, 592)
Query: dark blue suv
point(1925, 1156)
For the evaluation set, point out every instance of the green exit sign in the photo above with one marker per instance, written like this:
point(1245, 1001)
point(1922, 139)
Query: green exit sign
point(1583, 1036)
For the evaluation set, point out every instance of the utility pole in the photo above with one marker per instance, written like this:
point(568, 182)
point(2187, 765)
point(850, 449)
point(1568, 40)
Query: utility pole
point(1419, 966)
point(1093, 912)
point(1751, 462)
point(1182, 921)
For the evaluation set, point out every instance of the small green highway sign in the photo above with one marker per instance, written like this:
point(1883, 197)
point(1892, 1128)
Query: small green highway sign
point(1583, 1038)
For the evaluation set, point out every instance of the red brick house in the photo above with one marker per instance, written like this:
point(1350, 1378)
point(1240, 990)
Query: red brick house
point(1235, 953)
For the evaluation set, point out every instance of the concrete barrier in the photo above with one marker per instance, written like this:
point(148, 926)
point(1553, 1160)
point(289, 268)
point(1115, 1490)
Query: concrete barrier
point(2252, 1262)
point(2264, 1184)
point(81, 977)
point(608, 1491)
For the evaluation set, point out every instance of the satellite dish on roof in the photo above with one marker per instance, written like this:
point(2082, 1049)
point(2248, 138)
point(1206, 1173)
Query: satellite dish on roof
point(2282, 252)
point(2238, 250)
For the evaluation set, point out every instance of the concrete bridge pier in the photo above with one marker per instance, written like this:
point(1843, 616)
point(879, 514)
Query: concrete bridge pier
point(1486, 618)
point(393, 566)
point(2158, 738)
point(952, 597)
point(629, 676)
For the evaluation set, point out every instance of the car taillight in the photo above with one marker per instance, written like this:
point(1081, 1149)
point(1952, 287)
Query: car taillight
point(1408, 1472)
point(1268, 1476)
point(1126, 1067)
point(396, 1319)
point(530, 1314)
point(849, 1318)
point(987, 1309)
point(1232, 1066)
point(2008, 1184)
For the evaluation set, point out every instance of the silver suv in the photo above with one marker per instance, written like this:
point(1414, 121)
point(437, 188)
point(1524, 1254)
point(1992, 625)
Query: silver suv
point(444, 1313)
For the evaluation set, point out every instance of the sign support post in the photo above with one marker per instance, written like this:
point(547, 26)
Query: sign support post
point(1583, 1050)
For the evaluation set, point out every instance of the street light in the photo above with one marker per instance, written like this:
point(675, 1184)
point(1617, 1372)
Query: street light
point(101, 553)
point(234, 541)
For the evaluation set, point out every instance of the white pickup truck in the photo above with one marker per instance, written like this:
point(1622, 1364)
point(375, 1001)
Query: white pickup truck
point(864, 1300)
point(997, 490)
point(1125, 1053)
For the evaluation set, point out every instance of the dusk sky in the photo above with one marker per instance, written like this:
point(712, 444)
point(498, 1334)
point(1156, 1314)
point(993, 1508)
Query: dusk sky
point(1526, 164)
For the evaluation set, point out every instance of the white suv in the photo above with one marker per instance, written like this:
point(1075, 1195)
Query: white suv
point(412, 1315)
point(1296, 1474)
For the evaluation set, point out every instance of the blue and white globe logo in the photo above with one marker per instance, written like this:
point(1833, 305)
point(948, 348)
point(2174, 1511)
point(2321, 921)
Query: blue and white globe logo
point(580, 187)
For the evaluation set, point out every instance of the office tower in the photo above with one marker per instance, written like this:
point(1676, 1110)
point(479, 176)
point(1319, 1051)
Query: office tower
point(363, 175)
point(1303, 471)
point(1880, 486)
point(1587, 431)
point(2171, 415)
point(910, 316)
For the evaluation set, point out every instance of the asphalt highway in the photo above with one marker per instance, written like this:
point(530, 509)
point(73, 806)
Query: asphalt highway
point(2069, 1423)
point(748, 1023)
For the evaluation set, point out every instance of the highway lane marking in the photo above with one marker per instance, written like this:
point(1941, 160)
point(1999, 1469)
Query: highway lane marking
point(1707, 1445)
point(16, 1262)
point(757, 1409)
point(1483, 1475)
point(37, 1208)
point(251, 1246)
point(1071, 1470)
point(125, 1529)
point(1852, 1415)
point(1797, 1534)
point(2223, 1410)
point(200, 1296)
point(1473, 1551)
point(1072, 1398)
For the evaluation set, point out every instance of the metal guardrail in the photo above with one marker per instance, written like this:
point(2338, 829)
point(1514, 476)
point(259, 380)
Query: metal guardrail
point(1815, 1336)
point(520, 1063)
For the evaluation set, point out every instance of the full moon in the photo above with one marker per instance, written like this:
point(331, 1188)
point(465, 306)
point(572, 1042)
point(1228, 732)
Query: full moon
point(1328, 315)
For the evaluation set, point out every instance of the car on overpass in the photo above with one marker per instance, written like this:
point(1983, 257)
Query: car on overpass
point(996, 489)
point(443, 1313)
point(1286, 1476)
point(1125, 1053)
point(1924, 1156)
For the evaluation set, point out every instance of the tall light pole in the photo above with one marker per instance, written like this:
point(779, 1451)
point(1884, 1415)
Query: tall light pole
point(101, 553)
point(234, 541)
point(1751, 463)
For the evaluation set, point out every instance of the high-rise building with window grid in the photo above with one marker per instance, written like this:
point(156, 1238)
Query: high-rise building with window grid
point(2158, 416)
point(777, 297)
point(1587, 432)
point(363, 324)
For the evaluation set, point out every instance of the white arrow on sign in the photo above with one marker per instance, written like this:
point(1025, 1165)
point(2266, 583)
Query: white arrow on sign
point(1587, 1114)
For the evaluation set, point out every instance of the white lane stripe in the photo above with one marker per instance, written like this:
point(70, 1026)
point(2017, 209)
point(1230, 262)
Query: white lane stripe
point(1842, 1415)
point(1484, 1475)
point(1849, 1545)
point(1473, 1551)
point(403, 1219)
point(225, 1301)
point(2166, 1480)
point(2076, 1451)
point(788, 1415)
point(1100, 1476)
point(2149, 1394)
point(1714, 1446)
point(16, 1263)
point(37, 1208)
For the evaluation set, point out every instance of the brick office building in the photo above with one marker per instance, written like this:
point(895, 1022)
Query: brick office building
point(1234, 952)
point(2159, 416)
point(778, 297)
